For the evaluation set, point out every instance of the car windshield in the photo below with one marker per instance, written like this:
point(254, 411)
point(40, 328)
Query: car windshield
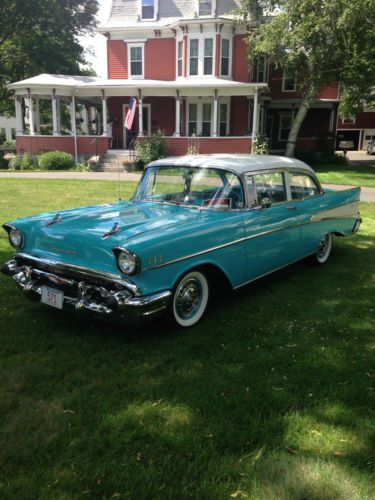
point(191, 186)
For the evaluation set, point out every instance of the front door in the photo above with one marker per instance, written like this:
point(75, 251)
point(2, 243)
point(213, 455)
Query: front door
point(130, 135)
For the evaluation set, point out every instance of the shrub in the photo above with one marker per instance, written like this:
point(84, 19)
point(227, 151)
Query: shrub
point(151, 149)
point(4, 162)
point(23, 162)
point(261, 145)
point(320, 158)
point(56, 160)
point(2, 138)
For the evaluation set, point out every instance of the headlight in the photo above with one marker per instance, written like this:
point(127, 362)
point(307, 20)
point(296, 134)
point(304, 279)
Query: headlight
point(127, 261)
point(15, 238)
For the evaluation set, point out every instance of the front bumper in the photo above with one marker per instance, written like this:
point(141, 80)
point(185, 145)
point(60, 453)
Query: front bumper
point(85, 290)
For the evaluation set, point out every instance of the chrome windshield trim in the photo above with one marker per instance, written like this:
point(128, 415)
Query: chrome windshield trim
point(61, 266)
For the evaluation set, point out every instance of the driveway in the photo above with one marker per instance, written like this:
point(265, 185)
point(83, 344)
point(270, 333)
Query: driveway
point(367, 194)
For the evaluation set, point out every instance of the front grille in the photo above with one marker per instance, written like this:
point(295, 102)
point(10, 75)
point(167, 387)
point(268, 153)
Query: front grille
point(71, 274)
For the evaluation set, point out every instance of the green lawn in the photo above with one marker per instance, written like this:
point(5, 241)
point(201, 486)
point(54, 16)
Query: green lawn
point(271, 396)
point(347, 175)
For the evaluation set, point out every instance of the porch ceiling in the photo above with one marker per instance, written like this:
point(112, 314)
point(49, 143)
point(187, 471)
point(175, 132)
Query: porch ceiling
point(82, 86)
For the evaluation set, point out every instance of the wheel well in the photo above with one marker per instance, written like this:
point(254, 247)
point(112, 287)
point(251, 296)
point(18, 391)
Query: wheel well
point(337, 233)
point(216, 276)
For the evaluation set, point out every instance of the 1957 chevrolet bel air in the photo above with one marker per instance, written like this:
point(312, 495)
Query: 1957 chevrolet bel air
point(191, 220)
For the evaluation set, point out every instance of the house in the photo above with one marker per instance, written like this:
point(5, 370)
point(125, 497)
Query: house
point(185, 62)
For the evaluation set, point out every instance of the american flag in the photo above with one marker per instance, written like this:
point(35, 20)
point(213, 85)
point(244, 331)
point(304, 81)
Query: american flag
point(129, 118)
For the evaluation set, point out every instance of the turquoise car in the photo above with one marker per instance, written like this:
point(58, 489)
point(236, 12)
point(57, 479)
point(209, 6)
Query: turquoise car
point(193, 224)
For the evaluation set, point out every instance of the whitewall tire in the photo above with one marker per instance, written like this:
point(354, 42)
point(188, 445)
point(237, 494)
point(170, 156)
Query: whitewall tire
point(324, 249)
point(189, 300)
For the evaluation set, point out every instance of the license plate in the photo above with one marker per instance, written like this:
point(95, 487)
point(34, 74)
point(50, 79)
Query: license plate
point(52, 297)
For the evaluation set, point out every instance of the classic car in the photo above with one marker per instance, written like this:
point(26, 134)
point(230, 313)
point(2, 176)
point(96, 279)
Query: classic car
point(192, 220)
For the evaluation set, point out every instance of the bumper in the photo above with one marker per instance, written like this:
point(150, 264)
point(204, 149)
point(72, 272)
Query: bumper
point(85, 291)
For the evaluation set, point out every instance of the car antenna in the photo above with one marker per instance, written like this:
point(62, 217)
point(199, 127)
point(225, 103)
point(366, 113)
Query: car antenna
point(119, 176)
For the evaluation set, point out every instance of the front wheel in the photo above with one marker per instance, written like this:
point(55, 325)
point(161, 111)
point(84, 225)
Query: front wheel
point(189, 300)
point(324, 250)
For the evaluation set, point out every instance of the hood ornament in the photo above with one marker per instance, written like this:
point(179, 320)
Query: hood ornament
point(55, 220)
point(114, 229)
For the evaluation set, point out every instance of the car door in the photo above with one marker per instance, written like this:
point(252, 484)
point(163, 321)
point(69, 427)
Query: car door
point(306, 193)
point(272, 225)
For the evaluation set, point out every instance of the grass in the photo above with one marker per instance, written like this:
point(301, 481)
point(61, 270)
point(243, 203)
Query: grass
point(270, 397)
point(347, 175)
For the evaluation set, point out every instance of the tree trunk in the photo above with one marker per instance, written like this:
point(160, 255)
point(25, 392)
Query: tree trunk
point(296, 126)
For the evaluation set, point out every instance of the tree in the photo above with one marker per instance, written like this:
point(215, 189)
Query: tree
point(321, 42)
point(39, 36)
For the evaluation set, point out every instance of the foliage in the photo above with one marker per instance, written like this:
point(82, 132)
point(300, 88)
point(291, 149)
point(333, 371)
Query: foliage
point(23, 162)
point(151, 148)
point(10, 143)
point(272, 395)
point(321, 43)
point(192, 150)
point(39, 36)
point(2, 138)
point(320, 158)
point(261, 145)
point(56, 160)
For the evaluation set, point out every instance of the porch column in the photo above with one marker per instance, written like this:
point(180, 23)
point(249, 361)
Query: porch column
point(104, 113)
point(255, 119)
point(73, 126)
point(37, 115)
point(214, 128)
point(58, 107)
point(19, 117)
point(140, 110)
point(55, 130)
point(178, 111)
point(31, 114)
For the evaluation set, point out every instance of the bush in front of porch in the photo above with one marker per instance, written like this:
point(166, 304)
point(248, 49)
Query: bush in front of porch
point(151, 148)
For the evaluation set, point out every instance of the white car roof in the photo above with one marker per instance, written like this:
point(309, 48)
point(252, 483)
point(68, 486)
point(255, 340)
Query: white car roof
point(235, 163)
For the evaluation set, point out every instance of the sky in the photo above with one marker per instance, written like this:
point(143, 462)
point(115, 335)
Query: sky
point(97, 43)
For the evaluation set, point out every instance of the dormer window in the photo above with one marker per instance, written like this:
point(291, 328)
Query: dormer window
point(148, 9)
point(205, 7)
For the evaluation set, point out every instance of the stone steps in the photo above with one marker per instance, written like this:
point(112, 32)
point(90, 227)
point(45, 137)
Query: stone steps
point(114, 161)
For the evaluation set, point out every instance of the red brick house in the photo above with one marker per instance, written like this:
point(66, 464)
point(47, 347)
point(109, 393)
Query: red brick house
point(185, 63)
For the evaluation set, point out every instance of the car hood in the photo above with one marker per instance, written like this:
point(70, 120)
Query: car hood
point(83, 236)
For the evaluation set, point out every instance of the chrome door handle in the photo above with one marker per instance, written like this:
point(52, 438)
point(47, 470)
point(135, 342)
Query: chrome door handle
point(292, 208)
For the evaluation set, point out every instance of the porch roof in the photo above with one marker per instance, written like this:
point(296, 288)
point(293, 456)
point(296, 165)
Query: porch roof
point(93, 86)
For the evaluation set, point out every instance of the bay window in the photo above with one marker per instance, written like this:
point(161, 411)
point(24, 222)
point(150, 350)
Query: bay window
point(206, 119)
point(193, 119)
point(179, 58)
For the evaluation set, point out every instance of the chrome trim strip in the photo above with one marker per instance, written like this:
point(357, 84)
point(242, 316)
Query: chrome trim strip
point(83, 270)
point(57, 218)
point(240, 240)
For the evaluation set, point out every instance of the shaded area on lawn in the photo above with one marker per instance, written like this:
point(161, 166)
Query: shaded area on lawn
point(351, 175)
point(271, 396)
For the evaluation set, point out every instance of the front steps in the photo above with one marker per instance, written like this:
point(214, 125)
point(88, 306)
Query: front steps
point(116, 161)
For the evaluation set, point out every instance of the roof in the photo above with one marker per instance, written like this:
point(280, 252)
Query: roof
point(79, 84)
point(235, 163)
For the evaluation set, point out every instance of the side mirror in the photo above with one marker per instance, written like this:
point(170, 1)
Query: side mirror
point(265, 203)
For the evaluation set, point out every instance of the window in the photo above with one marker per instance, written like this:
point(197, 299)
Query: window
point(206, 119)
point(223, 119)
point(148, 9)
point(136, 60)
point(289, 81)
point(285, 125)
point(224, 57)
point(268, 185)
point(13, 133)
point(208, 56)
point(193, 62)
point(258, 71)
point(205, 7)
point(179, 59)
point(302, 186)
point(193, 119)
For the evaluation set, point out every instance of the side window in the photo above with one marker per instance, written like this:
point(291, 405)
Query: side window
point(269, 185)
point(302, 186)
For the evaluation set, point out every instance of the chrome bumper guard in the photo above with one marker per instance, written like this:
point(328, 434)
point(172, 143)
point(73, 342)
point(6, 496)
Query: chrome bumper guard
point(108, 299)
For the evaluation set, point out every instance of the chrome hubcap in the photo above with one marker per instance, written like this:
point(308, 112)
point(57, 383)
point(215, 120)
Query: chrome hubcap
point(188, 298)
point(323, 247)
